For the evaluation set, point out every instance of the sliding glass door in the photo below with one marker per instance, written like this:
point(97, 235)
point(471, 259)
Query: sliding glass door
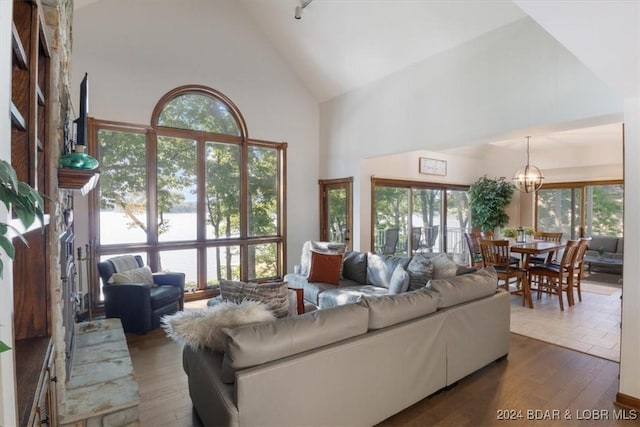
point(581, 209)
point(409, 217)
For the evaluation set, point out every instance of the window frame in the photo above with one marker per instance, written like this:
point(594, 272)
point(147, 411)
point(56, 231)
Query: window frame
point(411, 185)
point(152, 247)
point(581, 187)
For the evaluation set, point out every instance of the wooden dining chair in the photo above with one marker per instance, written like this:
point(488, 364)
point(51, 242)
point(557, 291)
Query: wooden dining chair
point(496, 253)
point(473, 244)
point(578, 270)
point(547, 237)
point(557, 278)
point(488, 235)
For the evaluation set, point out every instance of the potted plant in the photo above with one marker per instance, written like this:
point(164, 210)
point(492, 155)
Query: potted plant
point(488, 200)
point(529, 232)
point(509, 232)
point(27, 204)
point(600, 252)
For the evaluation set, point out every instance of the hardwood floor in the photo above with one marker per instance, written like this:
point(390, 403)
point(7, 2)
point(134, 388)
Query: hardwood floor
point(535, 376)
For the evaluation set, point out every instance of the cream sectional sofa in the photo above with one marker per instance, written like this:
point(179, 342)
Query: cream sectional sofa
point(353, 364)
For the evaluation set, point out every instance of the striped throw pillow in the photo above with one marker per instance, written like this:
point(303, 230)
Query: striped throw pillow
point(274, 295)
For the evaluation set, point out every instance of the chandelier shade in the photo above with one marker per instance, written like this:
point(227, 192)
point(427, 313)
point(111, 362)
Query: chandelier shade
point(529, 178)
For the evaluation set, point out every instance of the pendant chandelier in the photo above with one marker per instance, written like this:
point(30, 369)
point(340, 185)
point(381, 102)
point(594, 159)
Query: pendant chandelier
point(528, 179)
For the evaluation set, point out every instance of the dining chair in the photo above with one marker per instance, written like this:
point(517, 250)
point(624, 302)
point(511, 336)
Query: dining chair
point(547, 237)
point(488, 235)
point(557, 278)
point(578, 270)
point(473, 244)
point(496, 253)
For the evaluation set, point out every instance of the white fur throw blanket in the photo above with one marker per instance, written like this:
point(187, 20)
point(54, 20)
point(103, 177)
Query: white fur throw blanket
point(203, 328)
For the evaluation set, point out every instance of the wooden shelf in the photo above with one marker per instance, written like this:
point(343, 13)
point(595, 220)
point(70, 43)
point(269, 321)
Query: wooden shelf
point(40, 96)
point(31, 356)
point(17, 120)
point(18, 49)
point(78, 179)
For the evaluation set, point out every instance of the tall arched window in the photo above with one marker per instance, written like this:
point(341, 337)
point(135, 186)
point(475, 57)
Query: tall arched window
point(192, 191)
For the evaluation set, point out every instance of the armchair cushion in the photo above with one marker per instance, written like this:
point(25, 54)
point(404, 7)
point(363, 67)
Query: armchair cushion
point(136, 275)
point(164, 295)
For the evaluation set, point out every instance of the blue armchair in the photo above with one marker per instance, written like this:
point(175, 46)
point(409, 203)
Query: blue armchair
point(140, 306)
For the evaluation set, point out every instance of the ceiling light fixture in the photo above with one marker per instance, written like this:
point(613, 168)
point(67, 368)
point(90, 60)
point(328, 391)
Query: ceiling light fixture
point(299, 9)
point(528, 179)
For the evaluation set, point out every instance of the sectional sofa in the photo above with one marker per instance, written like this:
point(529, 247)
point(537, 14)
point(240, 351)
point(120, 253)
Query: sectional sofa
point(612, 256)
point(352, 364)
point(369, 274)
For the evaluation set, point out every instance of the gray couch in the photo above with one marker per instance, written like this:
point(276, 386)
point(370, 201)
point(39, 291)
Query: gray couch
point(354, 364)
point(612, 256)
point(368, 274)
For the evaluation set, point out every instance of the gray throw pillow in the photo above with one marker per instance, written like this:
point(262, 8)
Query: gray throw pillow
point(399, 281)
point(380, 268)
point(420, 271)
point(274, 295)
point(443, 266)
point(354, 266)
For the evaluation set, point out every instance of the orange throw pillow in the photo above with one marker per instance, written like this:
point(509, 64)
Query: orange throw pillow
point(325, 268)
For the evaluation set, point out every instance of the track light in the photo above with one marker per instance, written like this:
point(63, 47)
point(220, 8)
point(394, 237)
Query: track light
point(299, 9)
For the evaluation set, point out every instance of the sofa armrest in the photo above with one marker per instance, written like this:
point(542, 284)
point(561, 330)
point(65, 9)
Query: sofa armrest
point(131, 303)
point(171, 279)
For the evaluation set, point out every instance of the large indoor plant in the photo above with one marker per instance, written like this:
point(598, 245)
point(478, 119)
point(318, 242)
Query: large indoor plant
point(488, 201)
point(25, 203)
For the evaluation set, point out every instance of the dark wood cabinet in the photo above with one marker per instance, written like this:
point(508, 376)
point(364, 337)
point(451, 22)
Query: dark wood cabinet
point(30, 152)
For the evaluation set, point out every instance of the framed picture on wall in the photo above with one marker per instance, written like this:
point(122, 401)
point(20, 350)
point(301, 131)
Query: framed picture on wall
point(433, 166)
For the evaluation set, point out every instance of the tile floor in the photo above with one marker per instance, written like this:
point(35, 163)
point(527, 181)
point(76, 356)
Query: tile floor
point(591, 326)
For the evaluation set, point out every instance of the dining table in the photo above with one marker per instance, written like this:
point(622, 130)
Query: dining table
point(536, 247)
point(533, 248)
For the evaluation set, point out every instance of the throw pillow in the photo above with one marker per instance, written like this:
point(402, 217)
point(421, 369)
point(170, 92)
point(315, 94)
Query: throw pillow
point(203, 328)
point(420, 271)
point(380, 268)
point(137, 275)
point(399, 281)
point(354, 266)
point(325, 268)
point(324, 247)
point(274, 295)
point(443, 266)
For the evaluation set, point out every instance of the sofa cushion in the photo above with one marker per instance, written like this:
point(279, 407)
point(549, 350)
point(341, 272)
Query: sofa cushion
point(256, 344)
point(325, 267)
point(354, 266)
point(620, 245)
point(420, 271)
point(203, 328)
point(607, 243)
point(443, 266)
point(274, 295)
point(399, 281)
point(380, 268)
point(459, 289)
point(391, 309)
point(312, 290)
point(325, 247)
point(348, 295)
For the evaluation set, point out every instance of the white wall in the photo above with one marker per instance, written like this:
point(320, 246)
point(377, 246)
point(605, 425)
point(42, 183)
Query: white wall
point(493, 87)
point(7, 374)
point(136, 51)
point(630, 341)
